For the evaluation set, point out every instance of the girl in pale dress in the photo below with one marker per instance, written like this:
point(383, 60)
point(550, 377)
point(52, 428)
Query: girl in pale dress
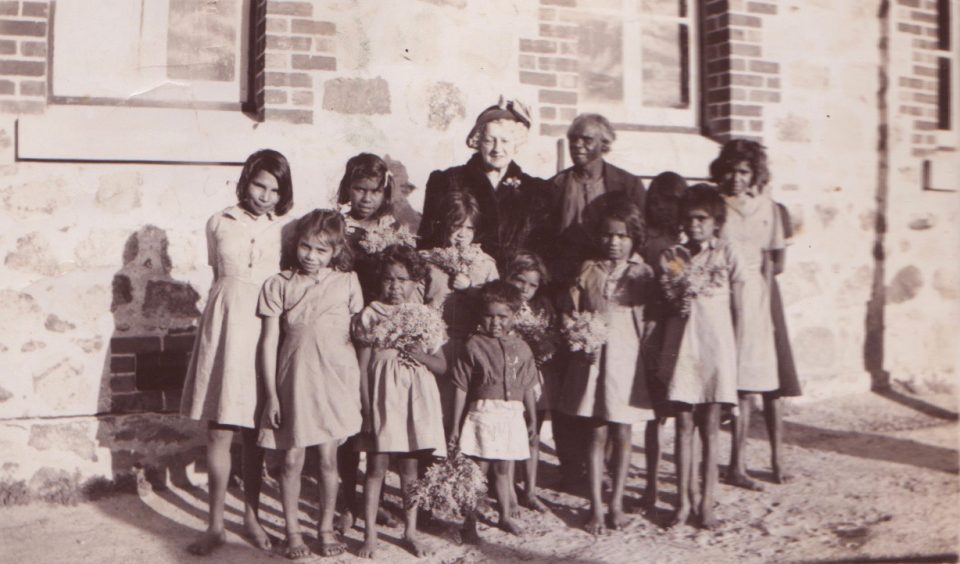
point(313, 379)
point(608, 390)
point(365, 198)
point(400, 400)
point(527, 273)
point(221, 387)
point(699, 359)
point(495, 378)
point(755, 230)
point(456, 271)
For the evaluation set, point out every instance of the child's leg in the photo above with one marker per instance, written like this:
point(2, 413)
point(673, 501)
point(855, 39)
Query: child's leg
point(651, 447)
point(218, 471)
point(595, 466)
point(708, 421)
point(290, 498)
point(514, 505)
point(773, 414)
point(252, 484)
point(622, 446)
point(408, 475)
point(329, 483)
point(683, 454)
point(530, 498)
point(348, 462)
point(376, 469)
point(737, 473)
point(469, 532)
point(503, 487)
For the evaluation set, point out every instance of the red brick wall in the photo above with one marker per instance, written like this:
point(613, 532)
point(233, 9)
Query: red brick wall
point(915, 26)
point(23, 56)
point(738, 81)
point(546, 61)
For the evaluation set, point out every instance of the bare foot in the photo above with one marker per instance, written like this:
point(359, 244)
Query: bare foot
point(743, 481)
point(344, 522)
point(594, 525)
point(369, 548)
point(617, 518)
point(329, 545)
point(533, 502)
point(510, 526)
point(679, 517)
point(296, 548)
point(255, 533)
point(781, 477)
point(707, 519)
point(207, 543)
point(415, 545)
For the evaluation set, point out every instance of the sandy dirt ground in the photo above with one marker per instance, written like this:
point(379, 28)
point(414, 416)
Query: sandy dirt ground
point(875, 477)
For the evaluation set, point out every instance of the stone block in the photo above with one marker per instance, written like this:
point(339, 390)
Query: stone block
point(57, 325)
point(905, 285)
point(357, 96)
point(35, 198)
point(793, 128)
point(120, 192)
point(73, 437)
point(33, 254)
point(60, 384)
point(161, 370)
point(445, 103)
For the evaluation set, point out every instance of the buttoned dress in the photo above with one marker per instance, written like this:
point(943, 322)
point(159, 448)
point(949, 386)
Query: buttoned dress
point(221, 384)
point(613, 386)
point(753, 227)
point(318, 377)
point(495, 373)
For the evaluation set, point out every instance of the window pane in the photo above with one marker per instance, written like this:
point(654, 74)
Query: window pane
point(202, 40)
point(600, 50)
point(665, 65)
point(943, 93)
point(664, 7)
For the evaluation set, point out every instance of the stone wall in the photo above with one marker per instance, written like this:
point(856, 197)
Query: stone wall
point(102, 258)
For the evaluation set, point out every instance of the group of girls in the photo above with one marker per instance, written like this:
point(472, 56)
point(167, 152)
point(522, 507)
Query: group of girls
point(311, 371)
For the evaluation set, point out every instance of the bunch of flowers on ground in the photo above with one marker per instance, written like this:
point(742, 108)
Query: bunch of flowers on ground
point(585, 331)
point(453, 486)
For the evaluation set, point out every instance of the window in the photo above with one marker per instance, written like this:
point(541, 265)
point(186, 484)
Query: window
point(947, 80)
point(635, 61)
point(165, 53)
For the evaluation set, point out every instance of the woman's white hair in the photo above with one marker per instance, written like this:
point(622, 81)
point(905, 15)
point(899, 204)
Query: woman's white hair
point(517, 129)
point(608, 135)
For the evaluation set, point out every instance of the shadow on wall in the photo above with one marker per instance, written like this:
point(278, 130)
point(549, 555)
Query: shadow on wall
point(154, 328)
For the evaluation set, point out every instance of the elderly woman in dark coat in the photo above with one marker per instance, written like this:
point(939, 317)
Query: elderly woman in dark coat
point(512, 203)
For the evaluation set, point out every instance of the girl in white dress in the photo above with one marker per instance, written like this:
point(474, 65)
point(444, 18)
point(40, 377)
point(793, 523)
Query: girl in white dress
point(221, 386)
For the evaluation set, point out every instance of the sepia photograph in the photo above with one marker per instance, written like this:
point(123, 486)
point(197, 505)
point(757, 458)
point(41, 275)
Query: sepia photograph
point(457, 281)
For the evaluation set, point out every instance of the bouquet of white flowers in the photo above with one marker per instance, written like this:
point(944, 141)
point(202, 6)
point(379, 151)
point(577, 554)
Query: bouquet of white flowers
point(585, 331)
point(375, 239)
point(453, 486)
point(535, 330)
point(408, 327)
point(453, 259)
point(683, 281)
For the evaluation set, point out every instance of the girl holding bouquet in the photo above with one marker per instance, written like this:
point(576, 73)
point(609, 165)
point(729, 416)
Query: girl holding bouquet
point(399, 344)
point(536, 324)
point(455, 271)
point(496, 374)
point(699, 280)
point(604, 384)
point(312, 379)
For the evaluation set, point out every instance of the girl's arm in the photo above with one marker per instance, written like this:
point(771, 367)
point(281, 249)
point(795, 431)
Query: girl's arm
point(363, 357)
point(435, 362)
point(459, 403)
point(269, 339)
point(530, 403)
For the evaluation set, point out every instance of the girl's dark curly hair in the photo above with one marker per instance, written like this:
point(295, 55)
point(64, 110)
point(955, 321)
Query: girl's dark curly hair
point(707, 198)
point(500, 292)
point(329, 226)
point(738, 150)
point(666, 190)
point(405, 256)
point(525, 261)
point(273, 162)
point(368, 165)
point(456, 209)
point(621, 208)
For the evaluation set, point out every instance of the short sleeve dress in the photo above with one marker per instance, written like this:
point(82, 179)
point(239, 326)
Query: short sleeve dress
point(613, 387)
point(405, 401)
point(221, 384)
point(699, 360)
point(318, 377)
point(753, 227)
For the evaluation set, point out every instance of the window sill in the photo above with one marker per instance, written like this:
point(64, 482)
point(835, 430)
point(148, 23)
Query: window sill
point(650, 151)
point(136, 135)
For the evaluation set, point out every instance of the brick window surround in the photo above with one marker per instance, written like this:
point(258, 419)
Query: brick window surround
point(735, 81)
